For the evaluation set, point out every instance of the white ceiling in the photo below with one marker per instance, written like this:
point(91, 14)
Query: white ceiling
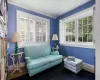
point(52, 8)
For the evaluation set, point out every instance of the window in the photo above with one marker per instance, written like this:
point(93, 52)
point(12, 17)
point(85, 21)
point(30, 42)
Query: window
point(77, 30)
point(85, 29)
point(33, 29)
point(70, 31)
point(23, 30)
point(41, 31)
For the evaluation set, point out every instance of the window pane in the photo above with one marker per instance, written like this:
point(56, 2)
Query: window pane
point(89, 28)
point(70, 38)
point(31, 30)
point(70, 31)
point(44, 26)
point(84, 37)
point(80, 38)
point(90, 37)
point(73, 37)
point(80, 29)
point(84, 29)
point(44, 38)
point(73, 27)
point(24, 29)
point(80, 22)
point(85, 21)
point(80, 33)
point(66, 37)
point(70, 27)
point(41, 31)
point(37, 31)
point(90, 20)
point(67, 25)
point(72, 23)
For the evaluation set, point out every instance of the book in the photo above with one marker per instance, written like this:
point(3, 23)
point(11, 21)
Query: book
point(71, 58)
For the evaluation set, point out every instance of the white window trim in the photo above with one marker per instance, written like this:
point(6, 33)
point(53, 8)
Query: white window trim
point(82, 45)
point(34, 17)
point(78, 15)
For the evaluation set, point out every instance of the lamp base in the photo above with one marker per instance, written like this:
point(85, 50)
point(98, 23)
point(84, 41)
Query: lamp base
point(16, 48)
point(55, 45)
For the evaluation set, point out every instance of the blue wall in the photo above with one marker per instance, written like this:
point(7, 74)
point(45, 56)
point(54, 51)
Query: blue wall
point(86, 54)
point(83, 53)
point(12, 27)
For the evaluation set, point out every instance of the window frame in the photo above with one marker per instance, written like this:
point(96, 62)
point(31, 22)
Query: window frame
point(71, 30)
point(76, 17)
point(87, 29)
point(36, 18)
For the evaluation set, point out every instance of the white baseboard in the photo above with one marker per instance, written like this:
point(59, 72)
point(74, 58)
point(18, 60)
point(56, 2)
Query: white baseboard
point(88, 67)
point(11, 66)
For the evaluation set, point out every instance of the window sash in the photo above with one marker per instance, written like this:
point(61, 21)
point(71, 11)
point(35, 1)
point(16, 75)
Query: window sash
point(32, 20)
point(76, 30)
point(87, 27)
point(63, 32)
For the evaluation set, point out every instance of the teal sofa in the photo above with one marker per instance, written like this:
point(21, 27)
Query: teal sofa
point(39, 58)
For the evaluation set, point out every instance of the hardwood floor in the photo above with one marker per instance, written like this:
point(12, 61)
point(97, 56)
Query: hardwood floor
point(16, 74)
point(55, 73)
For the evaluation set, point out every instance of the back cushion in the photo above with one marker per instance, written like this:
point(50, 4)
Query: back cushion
point(36, 51)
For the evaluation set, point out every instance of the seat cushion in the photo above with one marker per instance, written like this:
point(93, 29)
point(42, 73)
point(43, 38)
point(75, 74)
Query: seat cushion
point(35, 63)
point(52, 58)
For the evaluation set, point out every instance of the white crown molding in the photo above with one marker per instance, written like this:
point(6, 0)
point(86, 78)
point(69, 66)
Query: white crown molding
point(12, 2)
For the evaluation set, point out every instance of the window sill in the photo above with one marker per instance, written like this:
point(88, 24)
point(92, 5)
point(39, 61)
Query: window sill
point(81, 45)
point(30, 44)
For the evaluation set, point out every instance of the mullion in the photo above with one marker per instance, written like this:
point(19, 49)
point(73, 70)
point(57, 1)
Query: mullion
point(86, 32)
point(91, 35)
point(82, 29)
point(87, 28)
point(71, 31)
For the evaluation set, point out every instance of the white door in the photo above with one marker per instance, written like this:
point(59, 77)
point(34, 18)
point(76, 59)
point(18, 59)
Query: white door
point(97, 39)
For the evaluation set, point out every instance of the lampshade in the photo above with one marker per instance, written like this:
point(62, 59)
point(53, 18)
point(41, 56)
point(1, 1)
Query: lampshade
point(16, 37)
point(55, 37)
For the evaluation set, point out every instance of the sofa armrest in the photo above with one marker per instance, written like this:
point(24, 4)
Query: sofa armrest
point(27, 59)
point(55, 53)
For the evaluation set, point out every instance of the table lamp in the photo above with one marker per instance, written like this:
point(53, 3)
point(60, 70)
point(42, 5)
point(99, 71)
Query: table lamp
point(55, 38)
point(16, 38)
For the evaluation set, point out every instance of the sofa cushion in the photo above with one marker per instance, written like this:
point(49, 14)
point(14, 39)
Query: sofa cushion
point(52, 58)
point(36, 51)
point(35, 63)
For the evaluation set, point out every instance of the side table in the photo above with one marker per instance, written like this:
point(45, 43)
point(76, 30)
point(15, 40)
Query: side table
point(55, 49)
point(17, 65)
